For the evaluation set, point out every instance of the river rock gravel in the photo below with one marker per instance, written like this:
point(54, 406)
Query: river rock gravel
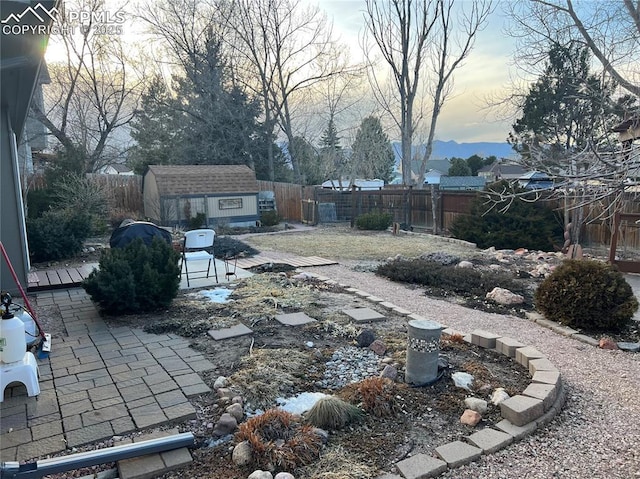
point(596, 435)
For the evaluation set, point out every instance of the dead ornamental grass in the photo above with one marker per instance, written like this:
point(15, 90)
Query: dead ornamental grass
point(339, 242)
point(266, 374)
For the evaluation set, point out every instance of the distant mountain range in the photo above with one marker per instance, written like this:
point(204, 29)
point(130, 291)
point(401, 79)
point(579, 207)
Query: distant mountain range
point(453, 149)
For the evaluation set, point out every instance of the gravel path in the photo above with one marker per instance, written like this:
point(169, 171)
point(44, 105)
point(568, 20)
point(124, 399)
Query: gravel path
point(596, 436)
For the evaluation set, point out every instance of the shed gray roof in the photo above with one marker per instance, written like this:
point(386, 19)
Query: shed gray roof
point(204, 179)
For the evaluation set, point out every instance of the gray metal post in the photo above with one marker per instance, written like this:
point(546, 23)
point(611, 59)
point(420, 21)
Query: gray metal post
point(14, 470)
point(422, 351)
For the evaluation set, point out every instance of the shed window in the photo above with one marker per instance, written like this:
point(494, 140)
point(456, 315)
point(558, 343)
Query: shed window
point(230, 203)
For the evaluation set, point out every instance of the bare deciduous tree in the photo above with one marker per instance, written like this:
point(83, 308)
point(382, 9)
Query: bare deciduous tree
point(423, 42)
point(285, 49)
point(92, 95)
point(609, 28)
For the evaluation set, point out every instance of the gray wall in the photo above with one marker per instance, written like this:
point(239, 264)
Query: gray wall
point(12, 227)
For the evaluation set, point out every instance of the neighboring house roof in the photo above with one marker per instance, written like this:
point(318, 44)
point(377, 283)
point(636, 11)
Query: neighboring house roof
point(535, 180)
point(432, 177)
point(120, 168)
point(440, 165)
point(499, 170)
point(462, 182)
point(374, 184)
point(204, 179)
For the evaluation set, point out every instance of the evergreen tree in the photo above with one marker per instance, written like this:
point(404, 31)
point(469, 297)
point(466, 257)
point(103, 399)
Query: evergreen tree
point(476, 162)
point(459, 167)
point(332, 157)
point(309, 162)
point(207, 120)
point(565, 107)
point(372, 155)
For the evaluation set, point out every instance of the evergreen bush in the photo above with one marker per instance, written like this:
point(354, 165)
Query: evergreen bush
point(57, 234)
point(374, 220)
point(269, 218)
point(137, 278)
point(587, 295)
point(197, 221)
point(524, 224)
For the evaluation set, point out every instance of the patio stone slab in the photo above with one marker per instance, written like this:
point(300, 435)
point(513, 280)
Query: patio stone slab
point(362, 315)
point(294, 319)
point(232, 332)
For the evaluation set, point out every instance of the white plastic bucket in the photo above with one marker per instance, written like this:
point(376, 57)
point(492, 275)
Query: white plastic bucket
point(12, 340)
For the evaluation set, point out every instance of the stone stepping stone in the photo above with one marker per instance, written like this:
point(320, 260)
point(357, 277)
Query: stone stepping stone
point(294, 319)
point(232, 332)
point(363, 315)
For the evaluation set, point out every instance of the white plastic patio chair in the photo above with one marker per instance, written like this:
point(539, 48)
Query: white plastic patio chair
point(198, 246)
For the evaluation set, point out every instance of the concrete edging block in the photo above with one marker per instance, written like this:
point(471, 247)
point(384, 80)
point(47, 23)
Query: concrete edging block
point(421, 466)
point(484, 339)
point(508, 346)
point(526, 354)
point(540, 364)
point(545, 392)
point(521, 410)
point(490, 440)
point(458, 453)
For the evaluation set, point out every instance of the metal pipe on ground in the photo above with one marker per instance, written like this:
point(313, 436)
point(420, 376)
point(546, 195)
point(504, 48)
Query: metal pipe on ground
point(15, 470)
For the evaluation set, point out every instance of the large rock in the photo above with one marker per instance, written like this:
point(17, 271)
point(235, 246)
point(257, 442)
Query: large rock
point(476, 404)
point(608, 343)
point(242, 454)
point(236, 411)
point(259, 474)
point(227, 424)
point(499, 395)
point(389, 372)
point(220, 382)
point(504, 297)
point(365, 338)
point(378, 347)
point(284, 475)
point(470, 417)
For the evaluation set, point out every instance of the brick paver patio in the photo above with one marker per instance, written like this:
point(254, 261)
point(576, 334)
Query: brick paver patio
point(99, 382)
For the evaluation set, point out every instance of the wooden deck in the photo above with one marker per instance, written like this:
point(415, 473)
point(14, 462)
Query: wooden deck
point(295, 261)
point(72, 277)
point(58, 278)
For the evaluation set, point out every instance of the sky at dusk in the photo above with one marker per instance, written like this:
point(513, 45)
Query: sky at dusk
point(485, 75)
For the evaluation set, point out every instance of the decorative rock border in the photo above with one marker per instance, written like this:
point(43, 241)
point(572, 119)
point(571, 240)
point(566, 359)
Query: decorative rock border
point(522, 414)
point(572, 333)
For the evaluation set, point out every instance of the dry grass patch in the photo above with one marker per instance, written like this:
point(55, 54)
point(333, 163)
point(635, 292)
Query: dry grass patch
point(336, 463)
point(351, 244)
point(265, 295)
point(269, 373)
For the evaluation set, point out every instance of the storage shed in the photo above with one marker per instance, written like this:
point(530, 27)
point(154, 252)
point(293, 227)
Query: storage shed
point(223, 194)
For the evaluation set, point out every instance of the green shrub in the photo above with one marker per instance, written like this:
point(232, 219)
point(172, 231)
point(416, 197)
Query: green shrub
point(57, 234)
point(197, 221)
point(588, 295)
point(523, 225)
point(374, 220)
point(136, 278)
point(269, 218)
point(434, 275)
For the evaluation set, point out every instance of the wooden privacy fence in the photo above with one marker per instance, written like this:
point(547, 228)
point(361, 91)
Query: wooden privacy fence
point(123, 191)
point(288, 198)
